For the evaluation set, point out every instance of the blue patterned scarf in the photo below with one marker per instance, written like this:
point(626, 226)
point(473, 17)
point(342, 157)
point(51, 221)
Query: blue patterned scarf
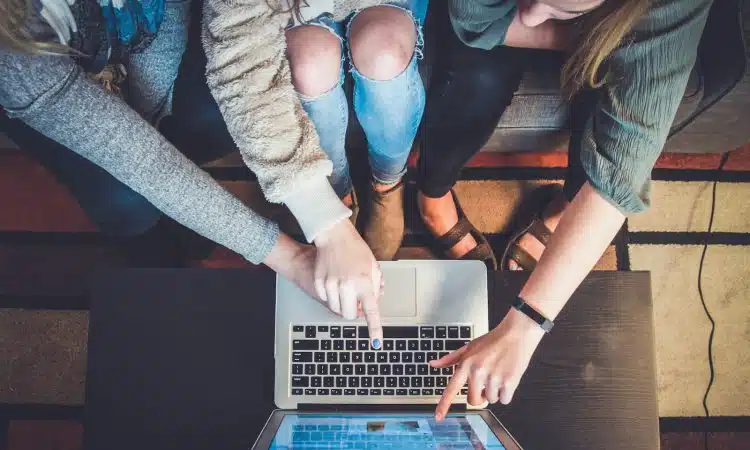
point(103, 30)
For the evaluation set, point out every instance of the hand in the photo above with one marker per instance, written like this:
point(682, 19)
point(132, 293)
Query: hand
point(492, 364)
point(347, 276)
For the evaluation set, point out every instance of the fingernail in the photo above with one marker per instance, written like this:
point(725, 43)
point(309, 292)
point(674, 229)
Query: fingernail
point(438, 417)
point(376, 344)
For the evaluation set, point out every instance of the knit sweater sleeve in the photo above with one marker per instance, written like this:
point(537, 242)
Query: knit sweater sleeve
point(249, 76)
point(648, 74)
point(52, 95)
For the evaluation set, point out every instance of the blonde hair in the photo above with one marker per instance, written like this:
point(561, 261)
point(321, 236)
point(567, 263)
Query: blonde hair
point(606, 27)
point(14, 16)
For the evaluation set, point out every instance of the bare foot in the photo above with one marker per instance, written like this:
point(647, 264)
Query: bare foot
point(552, 215)
point(440, 215)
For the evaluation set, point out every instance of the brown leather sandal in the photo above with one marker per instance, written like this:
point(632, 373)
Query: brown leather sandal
point(482, 252)
point(535, 226)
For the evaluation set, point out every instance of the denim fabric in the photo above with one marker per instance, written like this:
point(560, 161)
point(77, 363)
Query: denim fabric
point(389, 111)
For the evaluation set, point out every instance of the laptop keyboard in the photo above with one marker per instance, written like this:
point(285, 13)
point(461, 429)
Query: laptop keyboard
point(333, 360)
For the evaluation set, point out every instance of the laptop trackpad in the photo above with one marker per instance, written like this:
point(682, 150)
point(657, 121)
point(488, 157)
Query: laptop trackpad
point(400, 294)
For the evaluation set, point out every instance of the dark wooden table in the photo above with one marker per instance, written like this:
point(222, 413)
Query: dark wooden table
point(183, 359)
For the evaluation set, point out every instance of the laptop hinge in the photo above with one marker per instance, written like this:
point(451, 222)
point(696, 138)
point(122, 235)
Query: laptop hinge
point(380, 407)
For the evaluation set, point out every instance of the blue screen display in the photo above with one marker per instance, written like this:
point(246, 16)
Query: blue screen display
point(384, 431)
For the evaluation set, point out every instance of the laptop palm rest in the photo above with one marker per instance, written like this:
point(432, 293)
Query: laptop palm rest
point(400, 295)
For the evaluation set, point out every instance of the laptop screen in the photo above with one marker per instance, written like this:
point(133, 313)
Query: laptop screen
point(381, 431)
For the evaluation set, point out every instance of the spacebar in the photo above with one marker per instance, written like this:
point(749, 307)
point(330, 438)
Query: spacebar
point(390, 332)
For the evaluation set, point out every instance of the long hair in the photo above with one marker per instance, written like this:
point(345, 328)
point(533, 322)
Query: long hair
point(606, 27)
point(293, 8)
point(14, 16)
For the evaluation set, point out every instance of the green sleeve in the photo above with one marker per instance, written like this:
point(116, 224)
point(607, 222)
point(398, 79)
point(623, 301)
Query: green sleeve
point(648, 74)
point(482, 23)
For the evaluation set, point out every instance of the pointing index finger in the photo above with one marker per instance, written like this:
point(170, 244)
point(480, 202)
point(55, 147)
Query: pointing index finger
point(372, 316)
point(454, 387)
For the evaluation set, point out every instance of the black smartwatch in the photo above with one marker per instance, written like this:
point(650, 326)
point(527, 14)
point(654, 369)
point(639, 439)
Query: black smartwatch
point(533, 314)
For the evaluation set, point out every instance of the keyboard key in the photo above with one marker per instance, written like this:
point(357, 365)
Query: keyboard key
point(428, 382)
point(442, 382)
point(410, 369)
point(322, 369)
point(382, 357)
point(425, 345)
point(300, 381)
point(413, 345)
point(310, 332)
point(297, 391)
point(415, 392)
point(322, 328)
point(349, 391)
point(325, 345)
point(345, 357)
point(391, 382)
point(403, 382)
point(320, 357)
point(334, 369)
point(432, 356)
point(389, 392)
point(402, 392)
point(323, 391)
point(420, 357)
point(400, 345)
point(310, 391)
point(451, 345)
point(369, 357)
point(416, 382)
point(465, 332)
point(363, 392)
point(335, 332)
point(423, 369)
point(350, 332)
point(297, 369)
point(448, 370)
point(400, 332)
point(363, 333)
point(441, 332)
point(385, 369)
point(360, 369)
point(363, 344)
point(338, 344)
point(434, 371)
point(303, 344)
point(351, 344)
point(439, 391)
point(332, 357)
point(340, 382)
point(316, 381)
point(353, 382)
point(407, 357)
point(427, 392)
point(376, 392)
point(438, 345)
point(372, 369)
point(366, 382)
point(398, 369)
point(298, 329)
point(357, 357)
point(336, 392)
point(442, 355)
point(379, 382)
point(328, 382)
point(309, 369)
point(394, 357)
point(453, 332)
point(388, 344)
point(427, 332)
point(347, 369)
point(464, 391)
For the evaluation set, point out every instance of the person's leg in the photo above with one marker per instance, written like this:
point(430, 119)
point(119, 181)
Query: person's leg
point(315, 59)
point(384, 43)
point(470, 90)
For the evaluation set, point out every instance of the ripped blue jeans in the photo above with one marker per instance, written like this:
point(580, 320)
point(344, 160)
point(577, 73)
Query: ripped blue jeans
point(389, 111)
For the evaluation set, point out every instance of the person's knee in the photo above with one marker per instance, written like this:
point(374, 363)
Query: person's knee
point(382, 41)
point(315, 59)
point(122, 213)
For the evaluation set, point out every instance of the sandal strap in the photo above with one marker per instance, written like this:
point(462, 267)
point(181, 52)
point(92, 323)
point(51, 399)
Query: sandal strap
point(460, 230)
point(540, 231)
point(522, 257)
point(482, 252)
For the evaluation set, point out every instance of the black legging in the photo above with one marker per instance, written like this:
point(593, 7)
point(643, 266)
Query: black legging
point(470, 90)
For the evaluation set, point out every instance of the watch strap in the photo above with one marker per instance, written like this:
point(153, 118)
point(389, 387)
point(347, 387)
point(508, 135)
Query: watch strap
point(533, 314)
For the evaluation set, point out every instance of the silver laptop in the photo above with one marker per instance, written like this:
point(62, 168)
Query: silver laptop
point(326, 363)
